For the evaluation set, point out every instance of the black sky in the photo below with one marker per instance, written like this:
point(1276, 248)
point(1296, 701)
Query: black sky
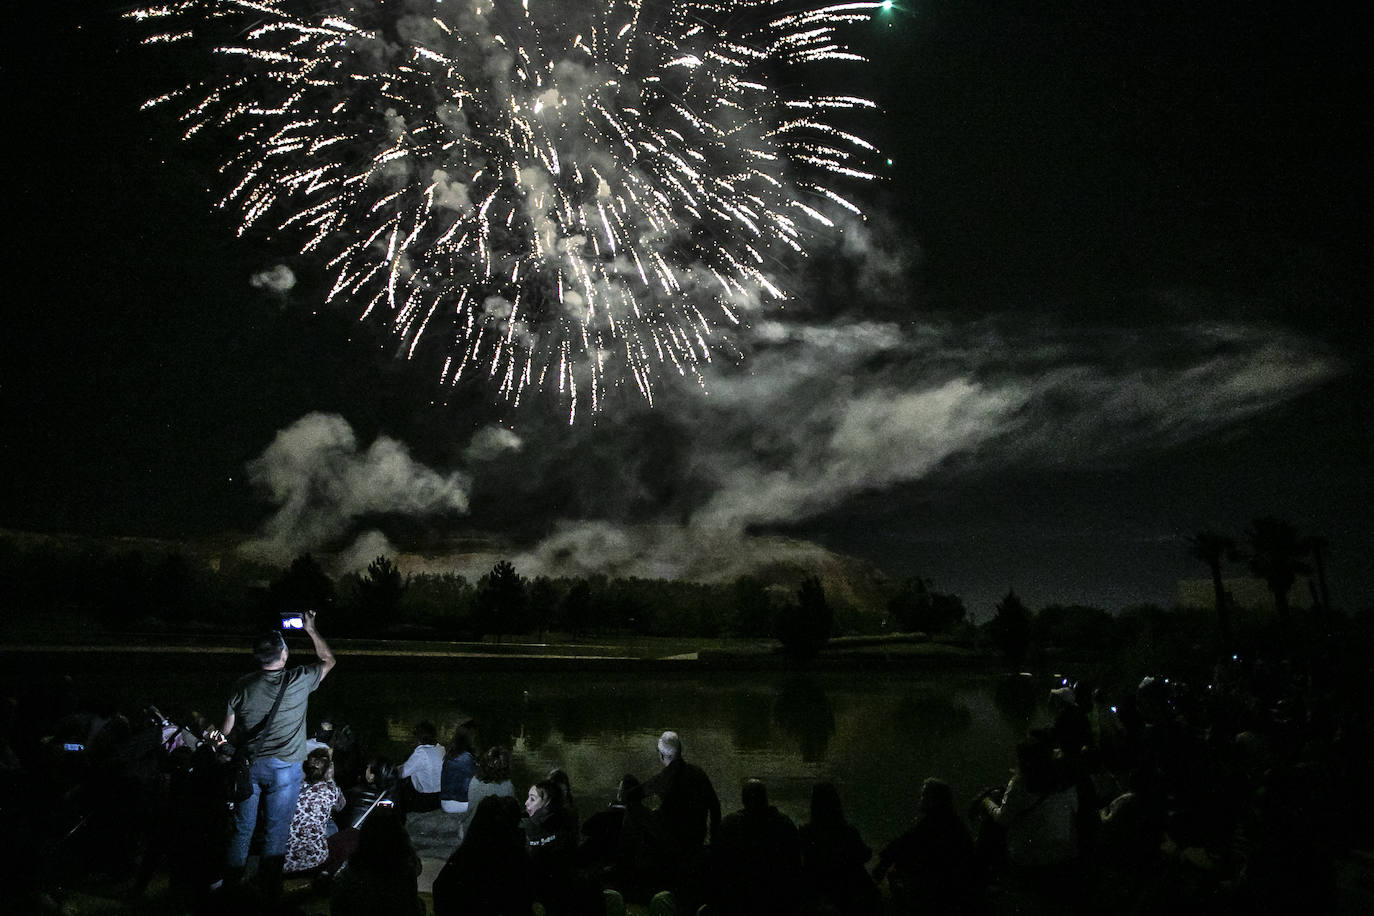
point(1061, 171)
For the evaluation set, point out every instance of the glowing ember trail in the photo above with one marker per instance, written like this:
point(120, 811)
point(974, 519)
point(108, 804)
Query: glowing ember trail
point(565, 195)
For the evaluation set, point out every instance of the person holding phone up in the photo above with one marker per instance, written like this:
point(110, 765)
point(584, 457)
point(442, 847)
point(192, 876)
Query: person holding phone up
point(268, 708)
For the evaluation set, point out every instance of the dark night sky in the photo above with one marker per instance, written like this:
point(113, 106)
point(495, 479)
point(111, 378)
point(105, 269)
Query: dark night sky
point(1114, 292)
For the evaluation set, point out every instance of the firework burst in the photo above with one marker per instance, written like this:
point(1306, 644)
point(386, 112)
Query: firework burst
point(552, 195)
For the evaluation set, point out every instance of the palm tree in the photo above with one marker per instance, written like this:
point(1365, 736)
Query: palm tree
point(1211, 547)
point(1276, 553)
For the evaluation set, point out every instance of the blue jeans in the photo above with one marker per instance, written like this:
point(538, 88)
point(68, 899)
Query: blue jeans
point(276, 785)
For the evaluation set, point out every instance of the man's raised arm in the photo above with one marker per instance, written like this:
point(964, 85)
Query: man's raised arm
point(321, 647)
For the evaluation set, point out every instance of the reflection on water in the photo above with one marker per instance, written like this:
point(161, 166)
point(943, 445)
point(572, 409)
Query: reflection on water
point(803, 712)
point(876, 735)
point(1017, 696)
point(942, 716)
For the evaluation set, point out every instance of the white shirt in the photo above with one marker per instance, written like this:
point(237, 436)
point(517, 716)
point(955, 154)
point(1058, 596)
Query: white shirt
point(425, 767)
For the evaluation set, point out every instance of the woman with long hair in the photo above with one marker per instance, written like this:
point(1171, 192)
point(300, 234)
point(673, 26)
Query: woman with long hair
point(551, 839)
point(834, 856)
point(491, 776)
point(460, 765)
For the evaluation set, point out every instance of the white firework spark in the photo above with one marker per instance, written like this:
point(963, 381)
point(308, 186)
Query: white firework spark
point(562, 196)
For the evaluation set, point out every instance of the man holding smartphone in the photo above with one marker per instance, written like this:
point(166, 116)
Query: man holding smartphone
point(279, 748)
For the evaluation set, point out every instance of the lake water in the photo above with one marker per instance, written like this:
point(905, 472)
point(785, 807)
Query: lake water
point(875, 734)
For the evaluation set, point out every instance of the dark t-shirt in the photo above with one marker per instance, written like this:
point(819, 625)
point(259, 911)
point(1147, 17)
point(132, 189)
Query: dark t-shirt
point(252, 700)
point(687, 804)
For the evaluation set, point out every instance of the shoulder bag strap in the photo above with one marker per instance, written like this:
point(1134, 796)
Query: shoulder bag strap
point(267, 722)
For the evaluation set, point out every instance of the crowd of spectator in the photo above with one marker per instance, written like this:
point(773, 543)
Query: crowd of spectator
point(1216, 797)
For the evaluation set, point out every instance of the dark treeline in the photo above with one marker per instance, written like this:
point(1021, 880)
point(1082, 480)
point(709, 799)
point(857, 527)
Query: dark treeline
point(147, 585)
point(141, 587)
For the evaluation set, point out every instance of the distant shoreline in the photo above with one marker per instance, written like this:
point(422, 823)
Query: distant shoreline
point(618, 654)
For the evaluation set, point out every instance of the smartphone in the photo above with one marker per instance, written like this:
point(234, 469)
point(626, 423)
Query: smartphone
point(292, 622)
point(73, 747)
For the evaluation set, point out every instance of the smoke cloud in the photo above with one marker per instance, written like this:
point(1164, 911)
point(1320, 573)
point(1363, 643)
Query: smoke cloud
point(278, 279)
point(324, 485)
point(365, 548)
point(693, 551)
point(829, 412)
point(492, 442)
point(821, 414)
